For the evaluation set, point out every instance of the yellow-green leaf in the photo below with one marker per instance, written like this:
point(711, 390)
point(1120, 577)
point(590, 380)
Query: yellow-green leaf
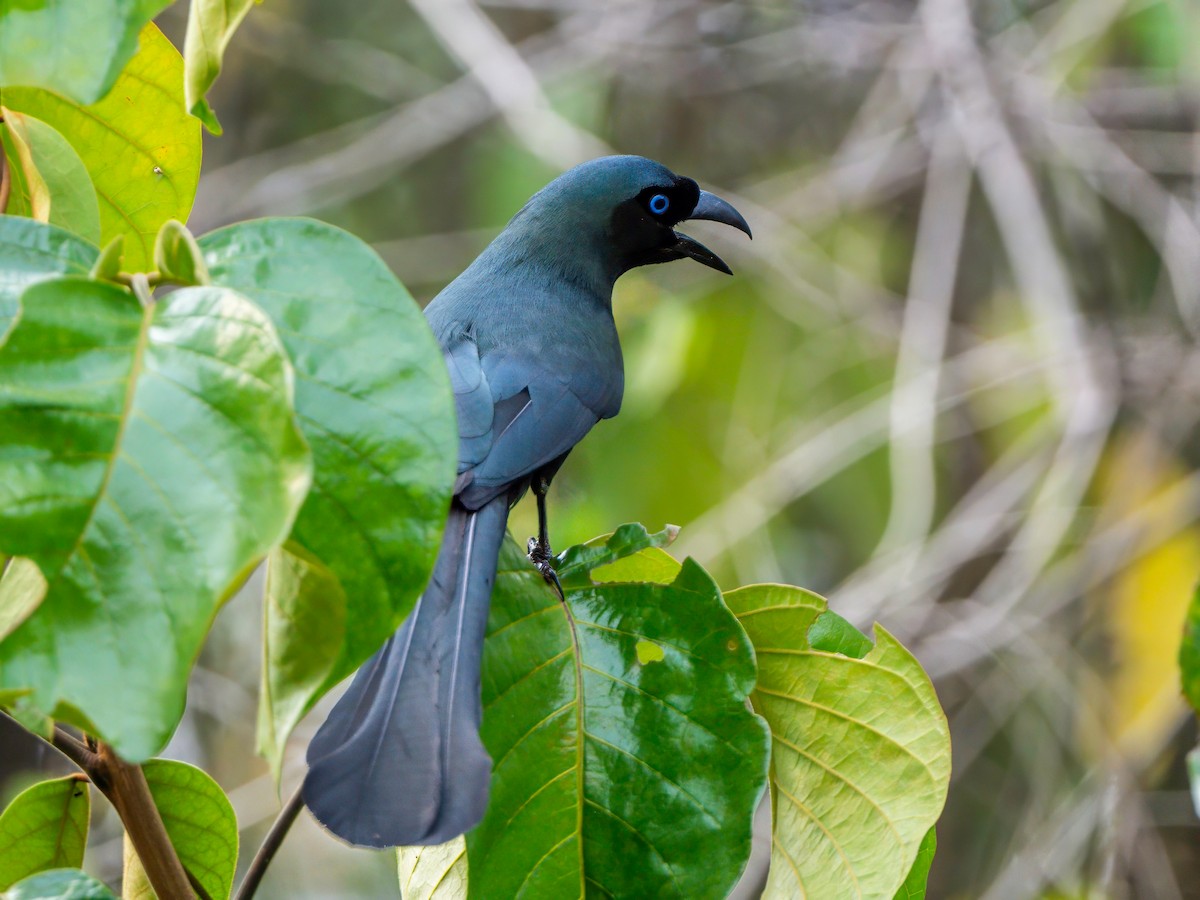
point(860, 749)
point(140, 147)
point(54, 183)
point(45, 827)
point(211, 24)
point(433, 873)
point(22, 588)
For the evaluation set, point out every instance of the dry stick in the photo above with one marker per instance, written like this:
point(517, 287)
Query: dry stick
point(262, 859)
point(125, 787)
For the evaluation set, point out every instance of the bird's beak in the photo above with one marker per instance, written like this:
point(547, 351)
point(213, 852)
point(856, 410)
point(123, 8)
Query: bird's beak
point(714, 209)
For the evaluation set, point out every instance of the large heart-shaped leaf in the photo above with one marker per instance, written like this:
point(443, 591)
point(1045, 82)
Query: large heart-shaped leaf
point(149, 459)
point(374, 401)
point(860, 759)
point(141, 148)
point(50, 181)
point(76, 49)
point(45, 827)
point(210, 27)
point(31, 251)
point(625, 760)
point(200, 823)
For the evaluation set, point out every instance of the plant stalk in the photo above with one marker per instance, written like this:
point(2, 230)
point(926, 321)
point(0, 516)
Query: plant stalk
point(270, 844)
point(125, 787)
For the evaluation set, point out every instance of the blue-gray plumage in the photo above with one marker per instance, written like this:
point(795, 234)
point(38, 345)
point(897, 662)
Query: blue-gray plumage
point(529, 340)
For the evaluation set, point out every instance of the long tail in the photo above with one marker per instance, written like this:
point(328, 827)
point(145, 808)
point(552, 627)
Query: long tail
point(399, 760)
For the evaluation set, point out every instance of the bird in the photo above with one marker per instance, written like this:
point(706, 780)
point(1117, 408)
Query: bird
point(529, 340)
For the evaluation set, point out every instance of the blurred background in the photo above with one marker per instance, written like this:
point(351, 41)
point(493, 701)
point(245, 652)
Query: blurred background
point(954, 384)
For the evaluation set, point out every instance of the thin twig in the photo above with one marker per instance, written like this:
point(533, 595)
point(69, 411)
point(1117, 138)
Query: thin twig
point(274, 838)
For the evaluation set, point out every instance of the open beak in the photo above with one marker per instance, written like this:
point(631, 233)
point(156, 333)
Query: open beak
point(714, 209)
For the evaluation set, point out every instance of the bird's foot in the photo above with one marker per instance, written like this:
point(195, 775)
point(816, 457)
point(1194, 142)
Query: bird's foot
point(543, 560)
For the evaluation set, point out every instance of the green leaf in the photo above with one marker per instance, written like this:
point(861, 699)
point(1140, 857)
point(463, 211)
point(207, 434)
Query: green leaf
point(860, 758)
point(22, 588)
point(833, 634)
point(76, 49)
point(575, 564)
point(31, 251)
point(45, 827)
point(149, 459)
point(200, 823)
point(210, 27)
point(652, 564)
point(141, 148)
point(108, 265)
point(1189, 653)
point(55, 184)
point(610, 776)
point(59, 884)
point(177, 256)
point(918, 877)
point(305, 626)
point(433, 873)
point(374, 401)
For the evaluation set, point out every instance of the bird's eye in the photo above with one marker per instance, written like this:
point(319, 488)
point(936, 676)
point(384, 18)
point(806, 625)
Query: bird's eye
point(659, 204)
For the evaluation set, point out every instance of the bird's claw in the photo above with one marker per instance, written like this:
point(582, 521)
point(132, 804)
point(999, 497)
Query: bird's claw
point(543, 560)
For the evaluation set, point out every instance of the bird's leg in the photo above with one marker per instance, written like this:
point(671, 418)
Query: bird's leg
point(538, 548)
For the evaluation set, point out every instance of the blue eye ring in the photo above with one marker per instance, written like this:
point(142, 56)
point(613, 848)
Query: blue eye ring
point(659, 204)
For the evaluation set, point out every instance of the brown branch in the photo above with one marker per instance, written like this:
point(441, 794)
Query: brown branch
point(124, 784)
point(262, 859)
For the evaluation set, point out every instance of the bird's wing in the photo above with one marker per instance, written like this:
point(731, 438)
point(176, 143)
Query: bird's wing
point(473, 402)
point(514, 417)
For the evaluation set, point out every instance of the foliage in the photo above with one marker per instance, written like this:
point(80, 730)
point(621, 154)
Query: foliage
point(200, 822)
point(285, 402)
point(60, 884)
point(848, 822)
point(44, 827)
point(141, 149)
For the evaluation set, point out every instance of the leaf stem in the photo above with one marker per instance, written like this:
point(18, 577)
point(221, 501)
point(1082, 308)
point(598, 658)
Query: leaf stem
point(124, 784)
point(5, 180)
point(262, 859)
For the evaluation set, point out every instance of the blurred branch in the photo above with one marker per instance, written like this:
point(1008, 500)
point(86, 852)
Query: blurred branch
point(1109, 170)
point(351, 160)
point(1084, 407)
point(354, 63)
point(270, 845)
point(834, 442)
point(511, 84)
point(923, 345)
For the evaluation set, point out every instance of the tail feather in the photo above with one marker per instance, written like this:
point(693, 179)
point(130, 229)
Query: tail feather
point(399, 760)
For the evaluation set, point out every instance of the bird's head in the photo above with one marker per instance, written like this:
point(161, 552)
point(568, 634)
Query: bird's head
point(626, 208)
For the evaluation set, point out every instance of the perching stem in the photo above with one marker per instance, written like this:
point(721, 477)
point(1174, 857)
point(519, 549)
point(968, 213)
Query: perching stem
point(125, 787)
